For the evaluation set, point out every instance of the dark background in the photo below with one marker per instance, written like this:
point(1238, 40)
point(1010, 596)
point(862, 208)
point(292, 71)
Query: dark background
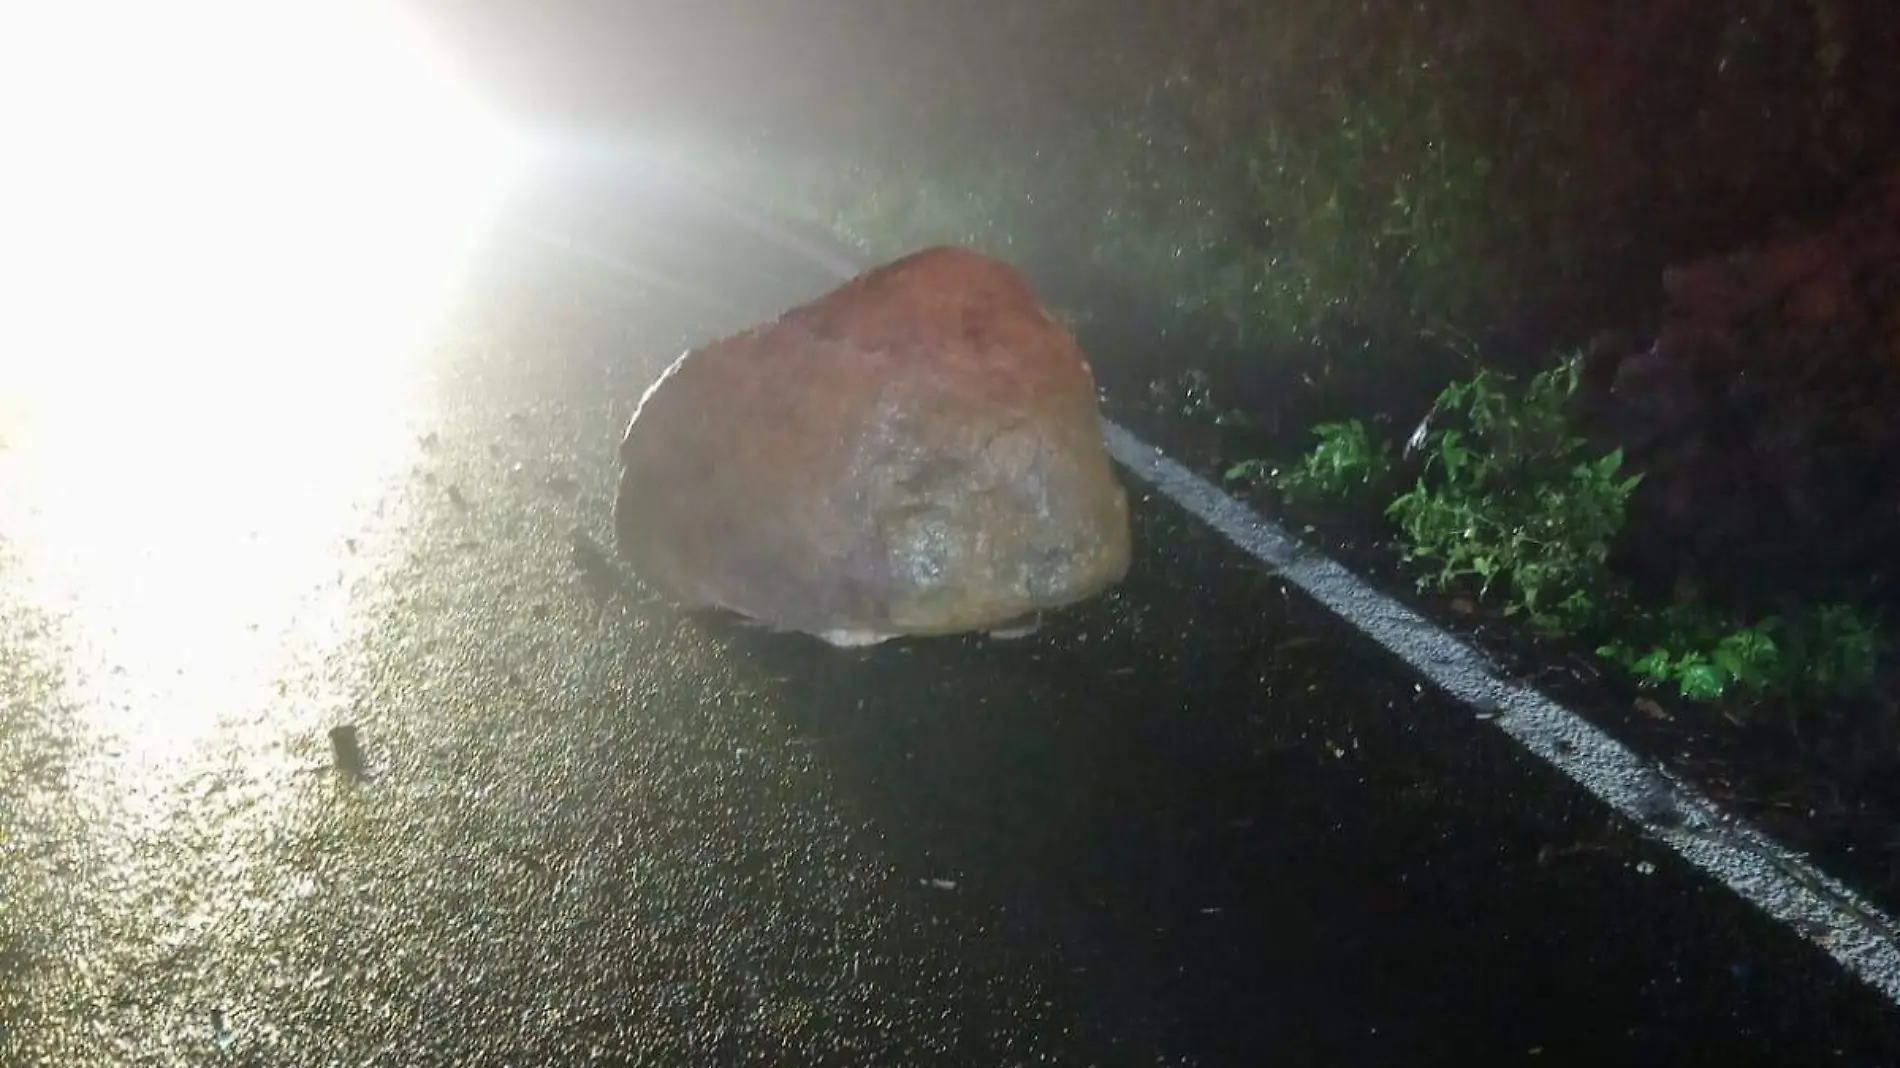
point(1705, 120)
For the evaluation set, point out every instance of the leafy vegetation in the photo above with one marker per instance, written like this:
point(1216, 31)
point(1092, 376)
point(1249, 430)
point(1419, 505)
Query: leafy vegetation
point(1512, 506)
point(1508, 499)
point(1827, 651)
point(1347, 462)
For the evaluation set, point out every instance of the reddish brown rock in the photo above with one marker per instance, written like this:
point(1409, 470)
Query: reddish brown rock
point(916, 453)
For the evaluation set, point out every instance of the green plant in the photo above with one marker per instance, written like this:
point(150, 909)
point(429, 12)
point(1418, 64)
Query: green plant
point(1820, 652)
point(1511, 503)
point(1346, 462)
point(1699, 654)
point(1508, 499)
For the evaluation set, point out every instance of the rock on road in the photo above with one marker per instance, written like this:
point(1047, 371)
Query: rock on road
point(1195, 822)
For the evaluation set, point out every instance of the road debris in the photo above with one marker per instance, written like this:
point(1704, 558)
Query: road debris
point(347, 750)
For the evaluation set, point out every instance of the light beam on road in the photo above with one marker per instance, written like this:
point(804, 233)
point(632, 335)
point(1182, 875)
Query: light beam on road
point(228, 226)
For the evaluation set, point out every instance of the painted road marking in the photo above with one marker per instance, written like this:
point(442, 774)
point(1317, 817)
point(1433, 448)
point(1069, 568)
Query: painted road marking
point(1771, 877)
point(1865, 940)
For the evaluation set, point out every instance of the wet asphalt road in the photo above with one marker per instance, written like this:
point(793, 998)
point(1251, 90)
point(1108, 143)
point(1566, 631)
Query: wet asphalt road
point(1198, 822)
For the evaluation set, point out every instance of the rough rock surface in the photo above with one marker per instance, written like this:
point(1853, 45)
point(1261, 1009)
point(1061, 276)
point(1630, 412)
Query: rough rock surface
point(916, 453)
point(1766, 414)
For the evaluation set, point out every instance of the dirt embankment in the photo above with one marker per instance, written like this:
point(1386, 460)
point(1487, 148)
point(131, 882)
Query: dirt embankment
point(1766, 416)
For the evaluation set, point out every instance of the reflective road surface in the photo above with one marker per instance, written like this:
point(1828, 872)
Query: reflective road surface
point(1197, 822)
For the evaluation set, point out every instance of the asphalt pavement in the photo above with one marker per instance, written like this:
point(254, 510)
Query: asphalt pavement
point(1199, 821)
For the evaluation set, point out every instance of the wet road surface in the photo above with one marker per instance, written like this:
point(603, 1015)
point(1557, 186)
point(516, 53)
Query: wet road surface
point(1198, 822)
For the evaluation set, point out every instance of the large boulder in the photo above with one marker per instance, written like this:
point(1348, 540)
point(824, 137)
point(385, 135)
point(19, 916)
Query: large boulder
point(916, 453)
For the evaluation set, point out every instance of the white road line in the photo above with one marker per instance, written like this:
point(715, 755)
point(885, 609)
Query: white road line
point(1776, 880)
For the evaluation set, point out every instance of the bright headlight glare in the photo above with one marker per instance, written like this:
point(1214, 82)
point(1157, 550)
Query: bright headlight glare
point(203, 191)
